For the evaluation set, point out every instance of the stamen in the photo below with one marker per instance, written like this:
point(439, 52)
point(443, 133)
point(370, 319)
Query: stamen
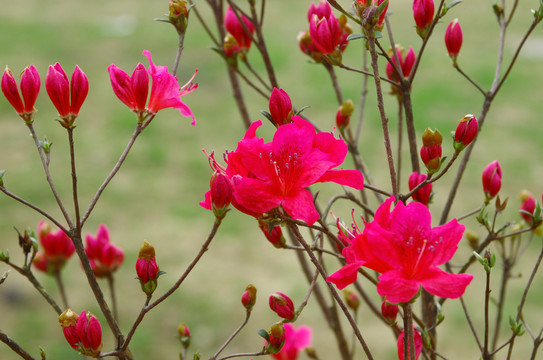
point(420, 255)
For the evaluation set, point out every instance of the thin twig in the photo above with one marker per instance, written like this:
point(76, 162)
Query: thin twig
point(247, 316)
point(14, 346)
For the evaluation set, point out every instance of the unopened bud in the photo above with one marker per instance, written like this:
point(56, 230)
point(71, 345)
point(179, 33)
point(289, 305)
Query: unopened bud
point(183, 334)
point(351, 299)
point(221, 194)
point(248, 299)
point(343, 115)
point(389, 312)
point(282, 305)
point(472, 238)
point(465, 132)
point(276, 338)
point(147, 268)
point(431, 150)
point(178, 15)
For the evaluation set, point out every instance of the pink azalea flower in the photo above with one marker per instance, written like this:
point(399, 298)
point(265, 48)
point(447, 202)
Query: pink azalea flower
point(295, 341)
point(267, 175)
point(104, 257)
point(406, 250)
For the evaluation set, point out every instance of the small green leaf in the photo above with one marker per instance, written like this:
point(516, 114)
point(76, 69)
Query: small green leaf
point(2, 172)
point(355, 36)
point(264, 334)
point(267, 115)
point(4, 276)
point(300, 111)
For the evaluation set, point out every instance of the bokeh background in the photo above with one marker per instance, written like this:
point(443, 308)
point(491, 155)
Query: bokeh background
point(155, 195)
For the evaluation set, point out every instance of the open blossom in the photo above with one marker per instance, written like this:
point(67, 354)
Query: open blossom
point(268, 175)
point(296, 340)
point(67, 96)
point(165, 90)
point(30, 87)
point(407, 251)
point(57, 249)
point(104, 257)
point(237, 30)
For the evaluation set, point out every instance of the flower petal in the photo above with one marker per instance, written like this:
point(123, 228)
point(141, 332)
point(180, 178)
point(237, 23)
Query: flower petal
point(352, 178)
point(444, 284)
point(301, 206)
point(396, 288)
point(445, 239)
point(346, 275)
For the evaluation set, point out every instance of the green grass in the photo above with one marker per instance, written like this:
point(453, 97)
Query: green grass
point(155, 196)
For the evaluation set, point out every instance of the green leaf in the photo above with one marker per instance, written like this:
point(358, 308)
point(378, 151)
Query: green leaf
point(355, 36)
point(2, 172)
point(300, 111)
point(452, 4)
point(264, 334)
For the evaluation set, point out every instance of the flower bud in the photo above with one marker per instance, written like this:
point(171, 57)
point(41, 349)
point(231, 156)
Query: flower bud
point(351, 299)
point(221, 194)
point(424, 194)
point(178, 15)
point(431, 150)
point(407, 60)
point(492, 180)
point(231, 48)
point(57, 249)
point(326, 35)
point(418, 344)
point(183, 334)
point(280, 107)
point(322, 10)
point(363, 8)
point(527, 206)
point(453, 39)
point(343, 115)
point(306, 45)
point(276, 338)
point(465, 132)
point(472, 238)
point(389, 312)
point(248, 299)
point(275, 236)
point(30, 87)
point(147, 268)
point(105, 258)
point(423, 12)
point(282, 305)
point(82, 332)
point(237, 30)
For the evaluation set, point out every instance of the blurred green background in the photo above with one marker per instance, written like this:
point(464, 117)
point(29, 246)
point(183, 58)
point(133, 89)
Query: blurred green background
point(155, 195)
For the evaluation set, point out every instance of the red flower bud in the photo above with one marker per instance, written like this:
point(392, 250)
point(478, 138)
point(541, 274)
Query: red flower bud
point(147, 268)
point(406, 63)
point(82, 332)
point(275, 236)
point(453, 39)
point(57, 249)
point(418, 345)
point(389, 312)
point(30, 87)
point(325, 33)
point(183, 334)
point(131, 90)
point(282, 305)
point(528, 206)
point(276, 338)
point(105, 258)
point(351, 299)
point(59, 91)
point(221, 194)
point(423, 12)
point(431, 150)
point(492, 179)
point(248, 299)
point(237, 30)
point(422, 195)
point(322, 10)
point(280, 107)
point(465, 132)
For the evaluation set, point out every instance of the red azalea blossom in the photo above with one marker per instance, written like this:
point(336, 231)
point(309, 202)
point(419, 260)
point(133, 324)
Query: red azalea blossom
point(325, 33)
point(267, 175)
point(322, 10)
point(528, 206)
point(406, 63)
point(104, 257)
point(165, 91)
point(30, 87)
point(406, 250)
point(66, 96)
point(296, 340)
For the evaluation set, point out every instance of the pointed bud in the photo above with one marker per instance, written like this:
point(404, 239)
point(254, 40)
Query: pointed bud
point(147, 268)
point(282, 305)
point(183, 334)
point(492, 180)
point(351, 299)
point(89, 332)
point(248, 299)
point(58, 89)
point(275, 236)
point(68, 320)
point(465, 132)
point(11, 91)
point(276, 338)
point(322, 10)
point(423, 12)
point(389, 312)
point(527, 206)
point(30, 87)
point(140, 87)
point(221, 194)
point(79, 88)
point(453, 39)
point(280, 107)
point(237, 30)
